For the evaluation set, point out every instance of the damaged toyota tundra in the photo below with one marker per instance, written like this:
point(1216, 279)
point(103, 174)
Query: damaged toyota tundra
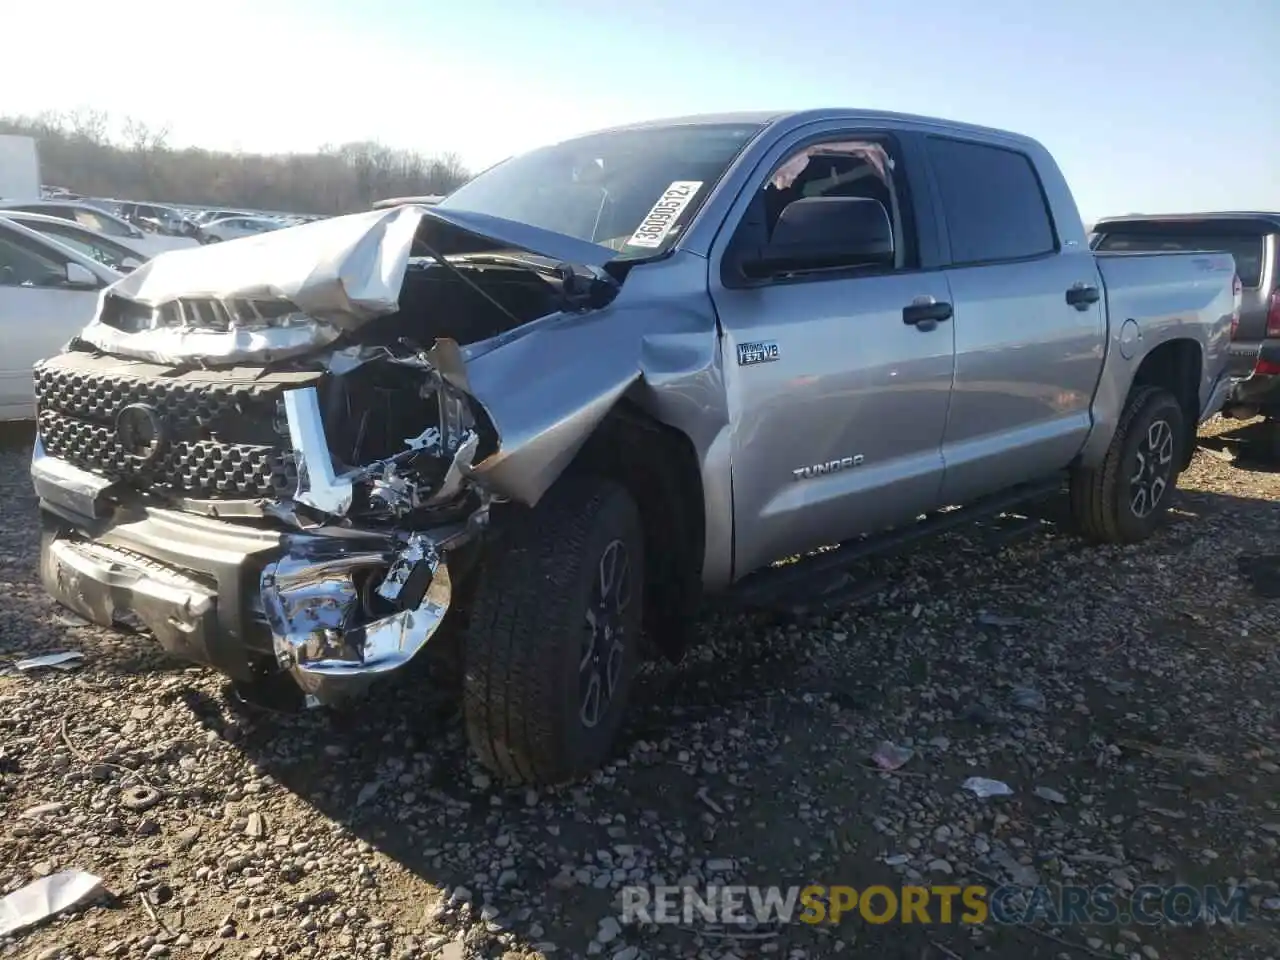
point(543, 418)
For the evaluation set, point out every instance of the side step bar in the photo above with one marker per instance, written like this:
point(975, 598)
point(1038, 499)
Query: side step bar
point(819, 581)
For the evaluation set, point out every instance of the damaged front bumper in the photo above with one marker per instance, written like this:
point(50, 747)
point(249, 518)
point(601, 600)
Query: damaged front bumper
point(341, 616)
point(332, 605)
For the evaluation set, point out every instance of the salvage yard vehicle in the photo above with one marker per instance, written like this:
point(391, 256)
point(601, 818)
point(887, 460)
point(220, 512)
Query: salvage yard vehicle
point(105, 223)
point(48, 292)
point(1253, 239)
point(232, 228)
point(595, 382)
point(116, 254)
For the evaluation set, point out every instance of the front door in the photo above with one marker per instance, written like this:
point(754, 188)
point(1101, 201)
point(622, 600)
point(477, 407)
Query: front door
point(839, 399)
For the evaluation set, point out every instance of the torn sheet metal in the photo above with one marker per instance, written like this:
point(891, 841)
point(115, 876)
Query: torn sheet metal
point(315, 607)
point(47, 897)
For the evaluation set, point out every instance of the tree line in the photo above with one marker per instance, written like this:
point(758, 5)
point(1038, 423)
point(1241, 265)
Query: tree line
point(86, 153)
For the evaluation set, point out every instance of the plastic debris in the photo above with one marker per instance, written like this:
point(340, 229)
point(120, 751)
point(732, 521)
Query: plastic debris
point(1048, 793)
point(890, 756)
point(982, 787)
point(47, 897)
point(897, 859)
point(1028, 698)
point(66, 660)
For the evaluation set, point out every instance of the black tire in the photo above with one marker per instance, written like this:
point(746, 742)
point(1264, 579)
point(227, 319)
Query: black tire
point(1268, 446)
point(1106, 504)
point(524, 689)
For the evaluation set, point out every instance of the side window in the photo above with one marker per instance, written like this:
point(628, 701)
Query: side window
point(992, 200)
point(852, 168)
point(23, 266)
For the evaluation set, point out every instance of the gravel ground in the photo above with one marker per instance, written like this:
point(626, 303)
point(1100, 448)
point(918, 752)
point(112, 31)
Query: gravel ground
point(1126, 695)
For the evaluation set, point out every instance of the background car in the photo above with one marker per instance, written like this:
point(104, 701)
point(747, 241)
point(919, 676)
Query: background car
point(232, 228)
point(153, 217)
point(119, 255)
point(48, 292)
point(102, 222)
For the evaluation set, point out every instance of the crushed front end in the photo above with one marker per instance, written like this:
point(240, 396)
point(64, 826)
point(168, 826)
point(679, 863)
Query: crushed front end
point(276, 478)
point(224, 512)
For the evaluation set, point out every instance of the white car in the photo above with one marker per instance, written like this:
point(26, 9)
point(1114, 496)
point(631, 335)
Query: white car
point(120, 255)
point(103, 222)
point(232, 228)
point(48, 292)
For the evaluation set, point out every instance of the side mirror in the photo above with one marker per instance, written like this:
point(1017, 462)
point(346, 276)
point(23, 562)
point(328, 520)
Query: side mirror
point(816, 233)
point(130, 263)
point(81, 277)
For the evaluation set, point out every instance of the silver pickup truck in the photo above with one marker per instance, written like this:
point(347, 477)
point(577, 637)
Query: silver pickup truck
point(594, 383)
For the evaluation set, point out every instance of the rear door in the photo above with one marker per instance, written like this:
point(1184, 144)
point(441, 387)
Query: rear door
point(1029, 321)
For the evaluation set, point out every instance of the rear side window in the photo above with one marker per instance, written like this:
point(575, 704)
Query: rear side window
point(1248, 251)
point(992, 201)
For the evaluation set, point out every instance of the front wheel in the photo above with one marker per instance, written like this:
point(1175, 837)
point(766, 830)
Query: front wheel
point(1124, 499)
point(554, 635)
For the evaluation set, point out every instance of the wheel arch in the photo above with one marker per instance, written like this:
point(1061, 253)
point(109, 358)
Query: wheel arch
point(658, 465)
point(1176, 365)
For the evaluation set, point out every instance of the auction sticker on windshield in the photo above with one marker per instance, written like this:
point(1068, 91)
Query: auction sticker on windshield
point(658, 222)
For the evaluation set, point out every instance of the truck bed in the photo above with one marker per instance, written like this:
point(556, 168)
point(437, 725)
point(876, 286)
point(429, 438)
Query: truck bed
point(1148, 292)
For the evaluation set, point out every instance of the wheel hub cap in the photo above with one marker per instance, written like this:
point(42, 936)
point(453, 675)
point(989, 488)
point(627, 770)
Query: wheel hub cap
point(1152, 469)
point(600, 666)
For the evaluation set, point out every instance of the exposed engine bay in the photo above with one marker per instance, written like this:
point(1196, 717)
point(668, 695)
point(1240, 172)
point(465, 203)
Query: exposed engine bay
point(336, 413)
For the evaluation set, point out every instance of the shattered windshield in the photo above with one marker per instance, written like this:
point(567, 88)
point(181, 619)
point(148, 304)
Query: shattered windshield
point(633, 191)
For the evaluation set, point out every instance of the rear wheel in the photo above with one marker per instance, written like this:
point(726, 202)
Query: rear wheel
point(1124, 499)
point(554, 635)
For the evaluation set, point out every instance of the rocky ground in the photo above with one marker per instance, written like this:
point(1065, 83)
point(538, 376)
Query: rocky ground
point(1127, 696)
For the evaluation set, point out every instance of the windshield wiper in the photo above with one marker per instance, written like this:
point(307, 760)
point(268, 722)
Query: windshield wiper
point(579, 286)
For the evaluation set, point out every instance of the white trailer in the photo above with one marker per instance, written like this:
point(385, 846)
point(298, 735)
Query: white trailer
point(19, 168)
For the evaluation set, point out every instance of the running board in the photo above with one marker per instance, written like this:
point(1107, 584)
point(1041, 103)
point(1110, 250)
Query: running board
point(819, 581)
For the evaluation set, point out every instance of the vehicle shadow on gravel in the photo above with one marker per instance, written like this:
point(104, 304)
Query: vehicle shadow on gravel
point(1249, 447)
point(755, 749)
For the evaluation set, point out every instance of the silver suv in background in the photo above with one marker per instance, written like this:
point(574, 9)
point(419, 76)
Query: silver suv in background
point(1253, 240)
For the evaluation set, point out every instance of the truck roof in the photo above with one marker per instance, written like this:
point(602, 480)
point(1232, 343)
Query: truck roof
point(1253, 220)
point(796, 118)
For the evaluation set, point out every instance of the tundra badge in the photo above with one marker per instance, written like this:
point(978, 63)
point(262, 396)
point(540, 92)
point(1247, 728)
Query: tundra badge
point(831, 466)
point(760, 352)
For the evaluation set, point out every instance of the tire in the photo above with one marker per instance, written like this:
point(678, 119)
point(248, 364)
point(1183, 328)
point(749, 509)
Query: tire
point(1146, 452)
point(528, 655)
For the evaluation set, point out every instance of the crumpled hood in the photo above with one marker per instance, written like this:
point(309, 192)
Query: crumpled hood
point(335, 275)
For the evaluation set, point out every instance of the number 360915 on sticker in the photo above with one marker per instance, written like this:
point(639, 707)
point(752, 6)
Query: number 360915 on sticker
point(662, 217)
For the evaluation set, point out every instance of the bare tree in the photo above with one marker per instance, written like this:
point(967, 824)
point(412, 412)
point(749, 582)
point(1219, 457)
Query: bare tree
point(79, 151)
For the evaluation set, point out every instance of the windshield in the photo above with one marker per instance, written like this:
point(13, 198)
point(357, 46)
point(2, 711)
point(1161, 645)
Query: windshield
point(634, 191)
